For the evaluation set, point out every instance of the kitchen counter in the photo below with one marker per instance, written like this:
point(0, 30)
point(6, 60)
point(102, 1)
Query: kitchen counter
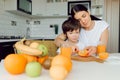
point(109, 70)
point(8, 40)
point(31, 38)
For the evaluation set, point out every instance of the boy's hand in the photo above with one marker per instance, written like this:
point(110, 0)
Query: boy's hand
point(75, 49)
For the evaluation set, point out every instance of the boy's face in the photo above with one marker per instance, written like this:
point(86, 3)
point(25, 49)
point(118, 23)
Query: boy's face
point(73, 35)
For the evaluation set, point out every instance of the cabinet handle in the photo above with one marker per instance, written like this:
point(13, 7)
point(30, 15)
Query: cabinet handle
point(6, 45)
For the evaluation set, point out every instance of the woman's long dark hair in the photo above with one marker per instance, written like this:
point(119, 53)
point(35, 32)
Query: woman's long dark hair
point(80, 7)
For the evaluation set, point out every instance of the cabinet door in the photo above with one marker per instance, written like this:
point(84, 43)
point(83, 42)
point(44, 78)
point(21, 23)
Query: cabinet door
point(19, 7)
point(25, 6)
point(38, 7)
point(6, 48)
point(1, 5)
point(56, 9)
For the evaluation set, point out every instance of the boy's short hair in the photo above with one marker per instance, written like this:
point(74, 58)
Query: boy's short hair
point(70, 24)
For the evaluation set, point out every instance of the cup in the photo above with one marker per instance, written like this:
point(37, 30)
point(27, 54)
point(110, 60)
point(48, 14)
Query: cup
point(101, 47)
point(66, 51)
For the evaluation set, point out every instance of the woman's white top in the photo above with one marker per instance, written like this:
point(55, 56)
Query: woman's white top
point(92, 37)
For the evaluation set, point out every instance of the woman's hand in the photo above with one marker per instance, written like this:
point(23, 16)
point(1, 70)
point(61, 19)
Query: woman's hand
point(91, 50)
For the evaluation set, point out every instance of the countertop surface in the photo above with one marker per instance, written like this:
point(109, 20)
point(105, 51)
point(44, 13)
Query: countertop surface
point(109, 70)
point(9, 40)
point(31, 38)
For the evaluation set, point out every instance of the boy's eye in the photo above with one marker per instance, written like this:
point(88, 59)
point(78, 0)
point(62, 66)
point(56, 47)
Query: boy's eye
point(77, 32)
point(70, 32)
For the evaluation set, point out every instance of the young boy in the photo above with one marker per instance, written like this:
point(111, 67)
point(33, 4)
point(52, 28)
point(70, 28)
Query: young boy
point(71, 28)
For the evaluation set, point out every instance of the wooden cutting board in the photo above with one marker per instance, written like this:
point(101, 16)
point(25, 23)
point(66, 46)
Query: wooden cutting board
point(87, 59)
point(84, 59)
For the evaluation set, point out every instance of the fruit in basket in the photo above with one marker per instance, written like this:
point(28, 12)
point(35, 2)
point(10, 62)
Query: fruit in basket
point(29, 58)
point(44, 49)
point(26, 49)
point(83, 53)
point(27, 42)
point(103, 55)
point(15, 64)
point(58, 72)
point(41, 59)
point(33, 69)
point(34, 45)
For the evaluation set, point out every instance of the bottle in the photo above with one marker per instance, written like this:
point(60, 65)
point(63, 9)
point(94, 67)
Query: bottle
point(28, 32)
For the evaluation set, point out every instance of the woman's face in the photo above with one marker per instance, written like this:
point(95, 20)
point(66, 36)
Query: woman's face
point(73, 35)
point(84, 18)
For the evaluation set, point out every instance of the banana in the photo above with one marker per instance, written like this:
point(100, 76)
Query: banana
point(26, 49)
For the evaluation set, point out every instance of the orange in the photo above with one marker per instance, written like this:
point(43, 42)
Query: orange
point(15, 64)
point(62, 61)
point(103, 55)
point(83, 53)
point(42, 59)
point(29, 58)
point(58, 73)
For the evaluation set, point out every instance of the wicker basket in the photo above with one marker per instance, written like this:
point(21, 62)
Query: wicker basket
point(52, 48)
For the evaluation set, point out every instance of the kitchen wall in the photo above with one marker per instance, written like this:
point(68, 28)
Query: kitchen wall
point(11, 24)
point(45, 29)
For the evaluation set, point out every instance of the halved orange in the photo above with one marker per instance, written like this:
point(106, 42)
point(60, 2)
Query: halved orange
point(83, 53)
point(103, 55)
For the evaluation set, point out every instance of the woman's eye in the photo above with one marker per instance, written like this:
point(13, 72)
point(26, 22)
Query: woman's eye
point(83, 15)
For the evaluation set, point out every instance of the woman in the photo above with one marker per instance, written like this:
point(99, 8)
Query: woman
point(93, 29)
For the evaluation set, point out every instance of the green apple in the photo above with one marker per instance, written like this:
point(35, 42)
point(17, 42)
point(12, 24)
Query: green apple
point(44, 49)
point(33, 69)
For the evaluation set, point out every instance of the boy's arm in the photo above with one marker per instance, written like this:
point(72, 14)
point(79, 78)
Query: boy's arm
point(59, 40)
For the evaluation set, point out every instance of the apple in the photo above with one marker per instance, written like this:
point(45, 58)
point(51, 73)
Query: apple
point(44, 49)
point(33, 69)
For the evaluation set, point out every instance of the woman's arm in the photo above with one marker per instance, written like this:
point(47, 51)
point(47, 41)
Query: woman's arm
point(103, 39)
point(59, 40)
point(104, 36)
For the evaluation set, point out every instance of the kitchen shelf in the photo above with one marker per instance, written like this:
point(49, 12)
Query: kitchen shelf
point(43, 17)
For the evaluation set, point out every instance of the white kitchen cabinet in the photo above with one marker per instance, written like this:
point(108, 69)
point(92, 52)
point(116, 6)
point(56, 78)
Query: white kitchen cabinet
point(21, 7)
point(49, 8)
point(56, 9)
point(39, 7)
point(97, 8)
point(1, 4)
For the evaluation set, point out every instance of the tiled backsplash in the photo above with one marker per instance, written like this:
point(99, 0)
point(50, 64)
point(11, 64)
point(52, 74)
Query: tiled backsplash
point(43, 29)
